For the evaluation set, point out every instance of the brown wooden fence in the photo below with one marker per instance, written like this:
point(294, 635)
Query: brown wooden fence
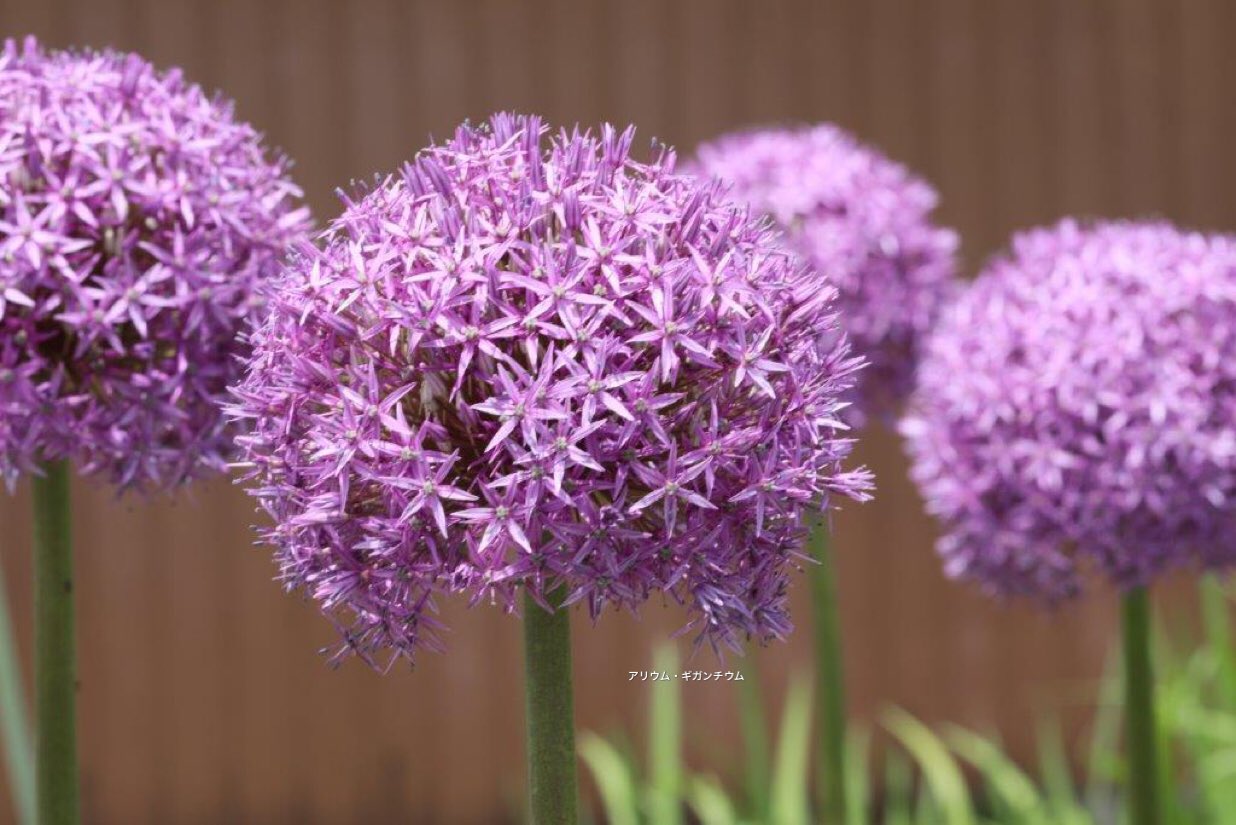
point(202, 697)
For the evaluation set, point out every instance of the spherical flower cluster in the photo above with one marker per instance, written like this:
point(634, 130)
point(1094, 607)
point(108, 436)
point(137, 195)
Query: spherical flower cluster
point(864, 223)
point(1076, 410)
point(137, 219)
point(528, 364)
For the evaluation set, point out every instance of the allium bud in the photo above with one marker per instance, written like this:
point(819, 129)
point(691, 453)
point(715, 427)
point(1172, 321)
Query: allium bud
point(519, 364)
point(137, 221)
point(1076, 410)
point(864, 224)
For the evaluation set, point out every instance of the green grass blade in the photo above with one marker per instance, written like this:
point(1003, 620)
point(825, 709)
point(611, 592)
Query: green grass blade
point(1009, 785)
point(941, 773)
point(15, 720)
point(1104, 761)
point(857, 779)
point(709, 802)
point(665, 767)
point(1058, 786)
point(614, 779)
point(790, 803)
point(898, 789)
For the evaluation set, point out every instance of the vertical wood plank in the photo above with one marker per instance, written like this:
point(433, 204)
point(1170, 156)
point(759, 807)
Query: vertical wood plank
point(263, 705)
point(642, 53)
point(1141, 38)
point(1204, 74)
point(175, 33)
point(895, 87)
point(1082, 90)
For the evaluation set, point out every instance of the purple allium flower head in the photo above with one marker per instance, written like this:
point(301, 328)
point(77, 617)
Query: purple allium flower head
point(519, 364)
point(137, 219)
point(864, 223)
point(1076, 408)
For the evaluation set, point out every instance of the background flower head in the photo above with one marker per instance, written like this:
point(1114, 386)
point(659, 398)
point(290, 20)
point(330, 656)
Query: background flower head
point(137, 221)
point(864, 223)
point(1076, 408)
point(522, 362)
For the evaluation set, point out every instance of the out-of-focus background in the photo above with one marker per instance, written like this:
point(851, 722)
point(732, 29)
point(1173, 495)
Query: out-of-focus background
point(203, 698)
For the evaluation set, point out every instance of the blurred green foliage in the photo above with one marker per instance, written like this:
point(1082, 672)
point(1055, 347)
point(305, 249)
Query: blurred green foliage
point(948, 775)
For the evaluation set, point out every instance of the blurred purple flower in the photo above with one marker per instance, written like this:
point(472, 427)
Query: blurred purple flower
point(137, 220)
point(518, 365)
point(864, 223)
point(1076, 409)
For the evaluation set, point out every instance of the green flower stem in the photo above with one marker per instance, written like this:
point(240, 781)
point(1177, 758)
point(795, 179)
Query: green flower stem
point(1143, 777)
point(55, 682)
point(552, 785)
point(755, 739)
point(15, 720)
point(665, 764)
point(830, 683)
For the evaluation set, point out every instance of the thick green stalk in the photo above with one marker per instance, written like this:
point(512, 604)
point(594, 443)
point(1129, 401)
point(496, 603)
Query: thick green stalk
point(829, 680)
point(665, 766)
point(755, 739)
point(1143, 778)
point(55, 682)
point(552, 785)
point(15, 720)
